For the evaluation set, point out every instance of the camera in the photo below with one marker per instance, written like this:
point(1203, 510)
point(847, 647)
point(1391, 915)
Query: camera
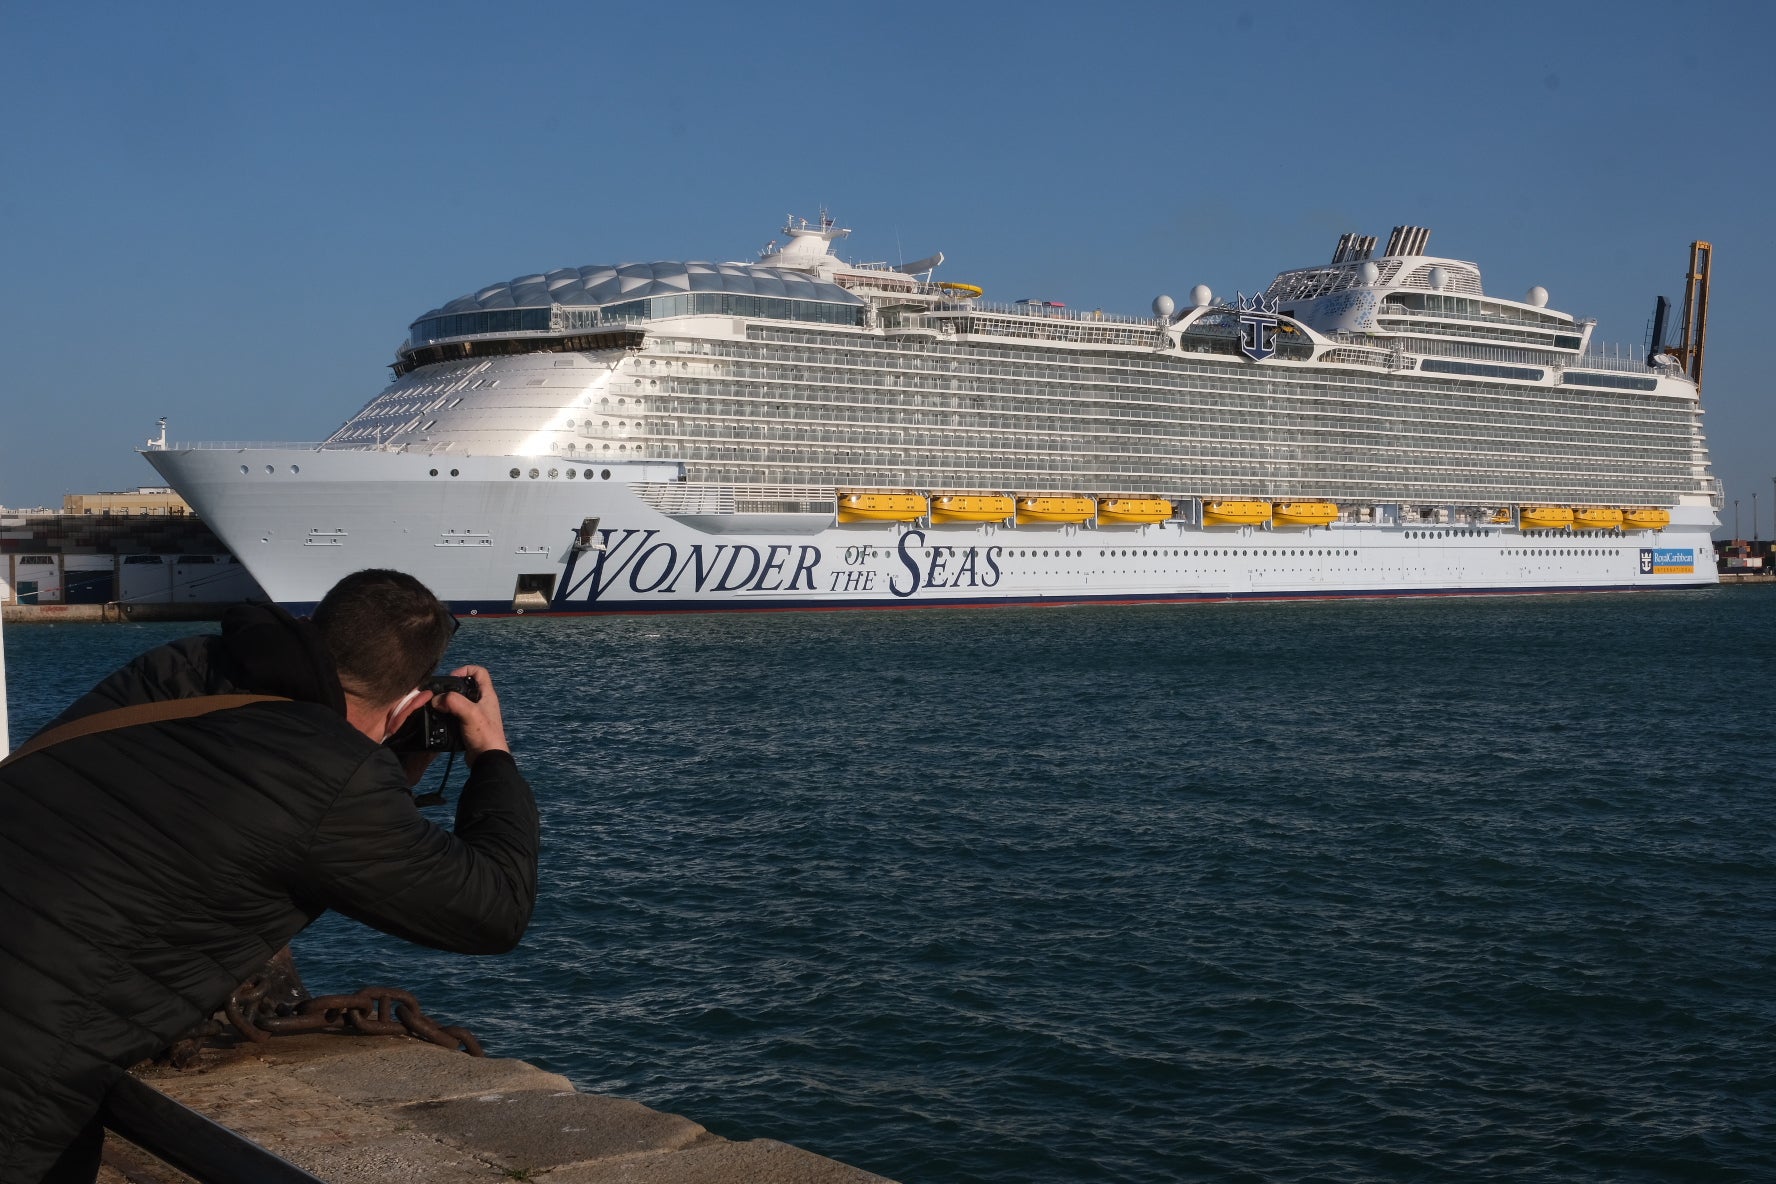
point(431, 730)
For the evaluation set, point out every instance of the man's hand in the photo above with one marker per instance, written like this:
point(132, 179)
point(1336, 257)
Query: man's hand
point(483, 730)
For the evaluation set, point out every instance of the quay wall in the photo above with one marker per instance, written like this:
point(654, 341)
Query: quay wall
point(369, 1109)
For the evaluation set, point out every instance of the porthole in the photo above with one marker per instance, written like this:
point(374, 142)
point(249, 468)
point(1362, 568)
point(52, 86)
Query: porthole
point(605, 474)
point(570, 474)
point(434, 472)
point(245, 470)
point(533, 474)
point(270, 469)
point(554, 473)
point(294, 469)
point(514, 472)
point(454, 473)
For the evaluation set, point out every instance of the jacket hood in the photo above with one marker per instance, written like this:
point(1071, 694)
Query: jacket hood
point(269, 652)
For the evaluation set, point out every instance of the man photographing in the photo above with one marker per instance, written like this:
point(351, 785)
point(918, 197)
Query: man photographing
point(152, 862)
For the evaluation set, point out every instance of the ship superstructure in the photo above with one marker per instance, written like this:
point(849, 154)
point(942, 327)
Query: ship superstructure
point(705, 419)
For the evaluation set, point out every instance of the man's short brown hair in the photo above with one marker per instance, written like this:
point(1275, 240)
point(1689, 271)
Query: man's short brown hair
point(386, 632)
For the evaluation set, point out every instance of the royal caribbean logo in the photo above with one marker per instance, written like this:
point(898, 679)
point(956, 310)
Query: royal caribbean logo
point(1667, 561)
point(1258, 327)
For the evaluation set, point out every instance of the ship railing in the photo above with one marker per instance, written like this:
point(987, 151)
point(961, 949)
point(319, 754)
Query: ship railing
point(1388, 356)
point(238, 445)
point(1045, 313)
point(700, 498)
point(1390, 309)
point(1614, 357)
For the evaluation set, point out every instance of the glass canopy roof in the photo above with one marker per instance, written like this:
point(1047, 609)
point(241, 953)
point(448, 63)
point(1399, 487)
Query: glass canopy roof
point(606, 284)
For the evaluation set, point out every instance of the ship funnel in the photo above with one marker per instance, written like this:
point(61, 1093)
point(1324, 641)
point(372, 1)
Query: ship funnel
point(1656, 335)
point(1408, 240)
point(1354, 248)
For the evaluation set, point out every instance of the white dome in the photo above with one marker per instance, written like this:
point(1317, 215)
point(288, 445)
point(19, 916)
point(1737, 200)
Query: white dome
point(1200, 296)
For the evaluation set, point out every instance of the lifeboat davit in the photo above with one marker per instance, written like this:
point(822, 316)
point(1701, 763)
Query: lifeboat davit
point(1646, 518)
point(1305, 513)
point(1545, 517)
point(1597, 518)
point(1501, 517)
point(971, 507)
point(1235, 513)
point(1129, 511)
point(881, 507)
point(1055, 509)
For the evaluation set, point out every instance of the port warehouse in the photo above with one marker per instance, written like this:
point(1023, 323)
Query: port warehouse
point(140, 548)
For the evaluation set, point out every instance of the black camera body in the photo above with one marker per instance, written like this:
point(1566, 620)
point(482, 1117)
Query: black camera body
point(431, 730)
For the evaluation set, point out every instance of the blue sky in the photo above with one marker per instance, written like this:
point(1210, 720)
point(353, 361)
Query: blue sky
point(228, 214)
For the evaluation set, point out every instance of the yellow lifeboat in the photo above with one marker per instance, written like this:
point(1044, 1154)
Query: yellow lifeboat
point(961, 291)
point(1035, 508)
point(971, 507)
point(1545, 517)
point(1646, 518)
point(1235, 513)
point(1305, 513)
point(1596, 518)
point(1125, 511)
point(881, 507)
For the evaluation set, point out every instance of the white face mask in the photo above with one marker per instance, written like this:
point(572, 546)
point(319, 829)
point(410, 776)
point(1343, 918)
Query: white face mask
point(388, 722)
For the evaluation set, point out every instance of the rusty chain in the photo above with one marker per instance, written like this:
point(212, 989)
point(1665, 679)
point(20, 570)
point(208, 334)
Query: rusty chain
point(372, 1011)
point(274, 1002)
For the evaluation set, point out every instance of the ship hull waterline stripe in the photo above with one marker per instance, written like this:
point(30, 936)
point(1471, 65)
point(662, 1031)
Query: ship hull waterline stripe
point(503, 608)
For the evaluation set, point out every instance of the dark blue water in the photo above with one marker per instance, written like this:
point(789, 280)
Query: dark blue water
point(1451, 890)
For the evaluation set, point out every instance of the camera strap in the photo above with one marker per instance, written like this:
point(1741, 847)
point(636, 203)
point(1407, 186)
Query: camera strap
point(139, 713)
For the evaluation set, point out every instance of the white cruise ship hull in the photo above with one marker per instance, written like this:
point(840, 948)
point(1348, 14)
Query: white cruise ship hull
point(490, 543)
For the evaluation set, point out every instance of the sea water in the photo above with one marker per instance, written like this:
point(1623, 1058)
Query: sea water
point(1456, 889)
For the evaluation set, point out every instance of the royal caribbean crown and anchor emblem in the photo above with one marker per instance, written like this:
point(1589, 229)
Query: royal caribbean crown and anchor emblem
point(1258, 327)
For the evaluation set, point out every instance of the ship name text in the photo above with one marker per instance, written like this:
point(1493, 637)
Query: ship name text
point(636, 562)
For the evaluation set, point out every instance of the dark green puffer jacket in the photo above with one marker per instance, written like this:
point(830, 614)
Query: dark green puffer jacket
point(145, 872)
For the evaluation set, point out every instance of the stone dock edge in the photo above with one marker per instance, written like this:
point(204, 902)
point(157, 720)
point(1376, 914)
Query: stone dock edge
point(359, 1109)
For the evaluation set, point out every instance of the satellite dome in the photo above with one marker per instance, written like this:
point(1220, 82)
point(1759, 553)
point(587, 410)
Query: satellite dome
point(1200, 296)
point(1369, 271)
point(1537, 296)
point(1438, 278)
point(1163, 306)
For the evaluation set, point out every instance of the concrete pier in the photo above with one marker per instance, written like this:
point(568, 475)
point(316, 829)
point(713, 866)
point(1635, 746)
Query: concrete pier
point(49, 614)
point(365, 1110)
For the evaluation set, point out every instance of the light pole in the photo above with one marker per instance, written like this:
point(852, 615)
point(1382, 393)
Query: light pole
point(1754, 533)
point(1735, 520)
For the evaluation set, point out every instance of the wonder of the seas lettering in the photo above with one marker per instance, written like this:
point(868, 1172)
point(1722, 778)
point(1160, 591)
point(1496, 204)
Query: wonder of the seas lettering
point(649, 566)
point(943, 567)
point(641, 563)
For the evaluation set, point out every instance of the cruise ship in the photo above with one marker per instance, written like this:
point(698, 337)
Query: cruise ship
point(806, 432)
